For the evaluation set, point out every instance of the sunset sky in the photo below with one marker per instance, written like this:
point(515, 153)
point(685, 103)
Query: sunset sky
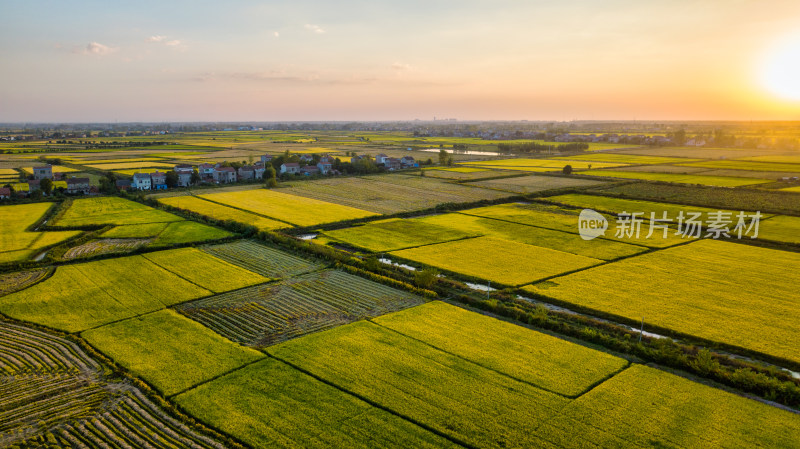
point(78, 61)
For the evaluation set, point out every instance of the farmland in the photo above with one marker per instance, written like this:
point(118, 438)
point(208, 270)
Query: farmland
point(542, 164)
point(110, 210)
point(220, 212)
point(682, 289)
point(16, 241)
point(272, 313)
point(85, 295)
point(536, 358)
point(625, 158)
point(268, 262)
point(720, 181)
point(269, 403)
point(53, 392)
point(748, 165)
point(205, 270)
point(154, 345)
point(436, 389)
point(389, 235)
point(293, 209)
point(534, 183)
point(496, 260)
point(391, 194)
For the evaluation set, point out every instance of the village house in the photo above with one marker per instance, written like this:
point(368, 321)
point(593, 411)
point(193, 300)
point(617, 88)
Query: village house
point(381, 158)
point(309, 170)
point(206, 172)
point(33, 185)
point(392, 163)
point(306, 158)
point(408, 161)
point(78, 185)
point(142, 181)
point(325, 166)
point(158, 180)
point(224, 175)
point(259, 169)
point(43, 172)
point(5, 193)
point(184, 172)
point(247, 173)
point(266, 158)
point(355, 159)
point(123, 184)
point(290, 168)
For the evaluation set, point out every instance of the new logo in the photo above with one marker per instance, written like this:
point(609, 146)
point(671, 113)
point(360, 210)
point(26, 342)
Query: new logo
point(591, 224)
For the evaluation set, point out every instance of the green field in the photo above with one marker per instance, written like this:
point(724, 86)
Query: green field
point(293, 209)
point(269, 404)
point(454, 396)
point(394, 234)
point(205, 270)
point(187, 232)
point(502, 261)
point(566, 220)
point(171, 352)
point(547, 362)
point(111, 210)
point(780, 228)
point(719, 181)
point(144, 230)
point(221, 212)
point(690, 289)
point(86, 295)
point(457, 169)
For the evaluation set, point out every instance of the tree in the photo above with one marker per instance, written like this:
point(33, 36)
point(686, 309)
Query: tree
point(46, 186)
point(567, 170)
point(171, 179)
point(425, 278)
point(108, 183)
point(270, 177)
point(195, 178)
point(443, 155)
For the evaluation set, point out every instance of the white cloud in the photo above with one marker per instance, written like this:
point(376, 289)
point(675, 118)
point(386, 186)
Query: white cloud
point(276, 34)
point(400, 67)
point(315, 28)
point(155, 39)
point(95, 48)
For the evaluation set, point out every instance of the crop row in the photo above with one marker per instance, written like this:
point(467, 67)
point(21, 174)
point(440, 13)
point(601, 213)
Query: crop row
point(13, 282)
point(104, 246)
point(260, 259)
point(23, 349)
point(268, 314)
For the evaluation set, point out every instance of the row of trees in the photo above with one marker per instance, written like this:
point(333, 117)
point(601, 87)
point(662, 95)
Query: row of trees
point(534, 147)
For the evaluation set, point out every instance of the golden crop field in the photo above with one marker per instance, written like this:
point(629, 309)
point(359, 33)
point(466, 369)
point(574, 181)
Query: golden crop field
point(86, 295)
point(625, 158)
point(502, 261)
point(205, 270)
point(298, 210)
point(533, 357)
point(542, 164)
point(221, 212)
point(56, 169)
point(731, 293)
point(534, 183)
point(168, 350)
point(16, 242)
point(128, 165)
point(718, 181)
point(111, 210)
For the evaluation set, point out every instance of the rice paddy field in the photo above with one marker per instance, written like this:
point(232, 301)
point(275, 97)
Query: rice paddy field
point(171, 352)
point(272, 313)
point(266, 261)
point(502, 261)
point(297, 210)
point(17, 242)
point(720, 181)
point(86, 295)
point(534, 183)
point(625, 158)
point(55, 168)
point(542, 164)
point(110, 210)
point(688, 289)
point(389, 194)
point(748, 165)
point(221, 212)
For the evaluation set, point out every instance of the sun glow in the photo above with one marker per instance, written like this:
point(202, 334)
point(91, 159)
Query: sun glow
point(781, 70)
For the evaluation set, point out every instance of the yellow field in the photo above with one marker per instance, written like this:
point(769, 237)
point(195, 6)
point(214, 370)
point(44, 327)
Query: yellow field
point(220, 212)
point(56, 169)
point(731, 293)
point(542, 164)
point(497, 260)
point(127, 165)
point(16, 243)
point(298, 210)
point(205, 270)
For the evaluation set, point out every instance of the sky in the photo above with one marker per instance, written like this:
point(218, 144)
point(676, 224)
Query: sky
point(241, 60)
